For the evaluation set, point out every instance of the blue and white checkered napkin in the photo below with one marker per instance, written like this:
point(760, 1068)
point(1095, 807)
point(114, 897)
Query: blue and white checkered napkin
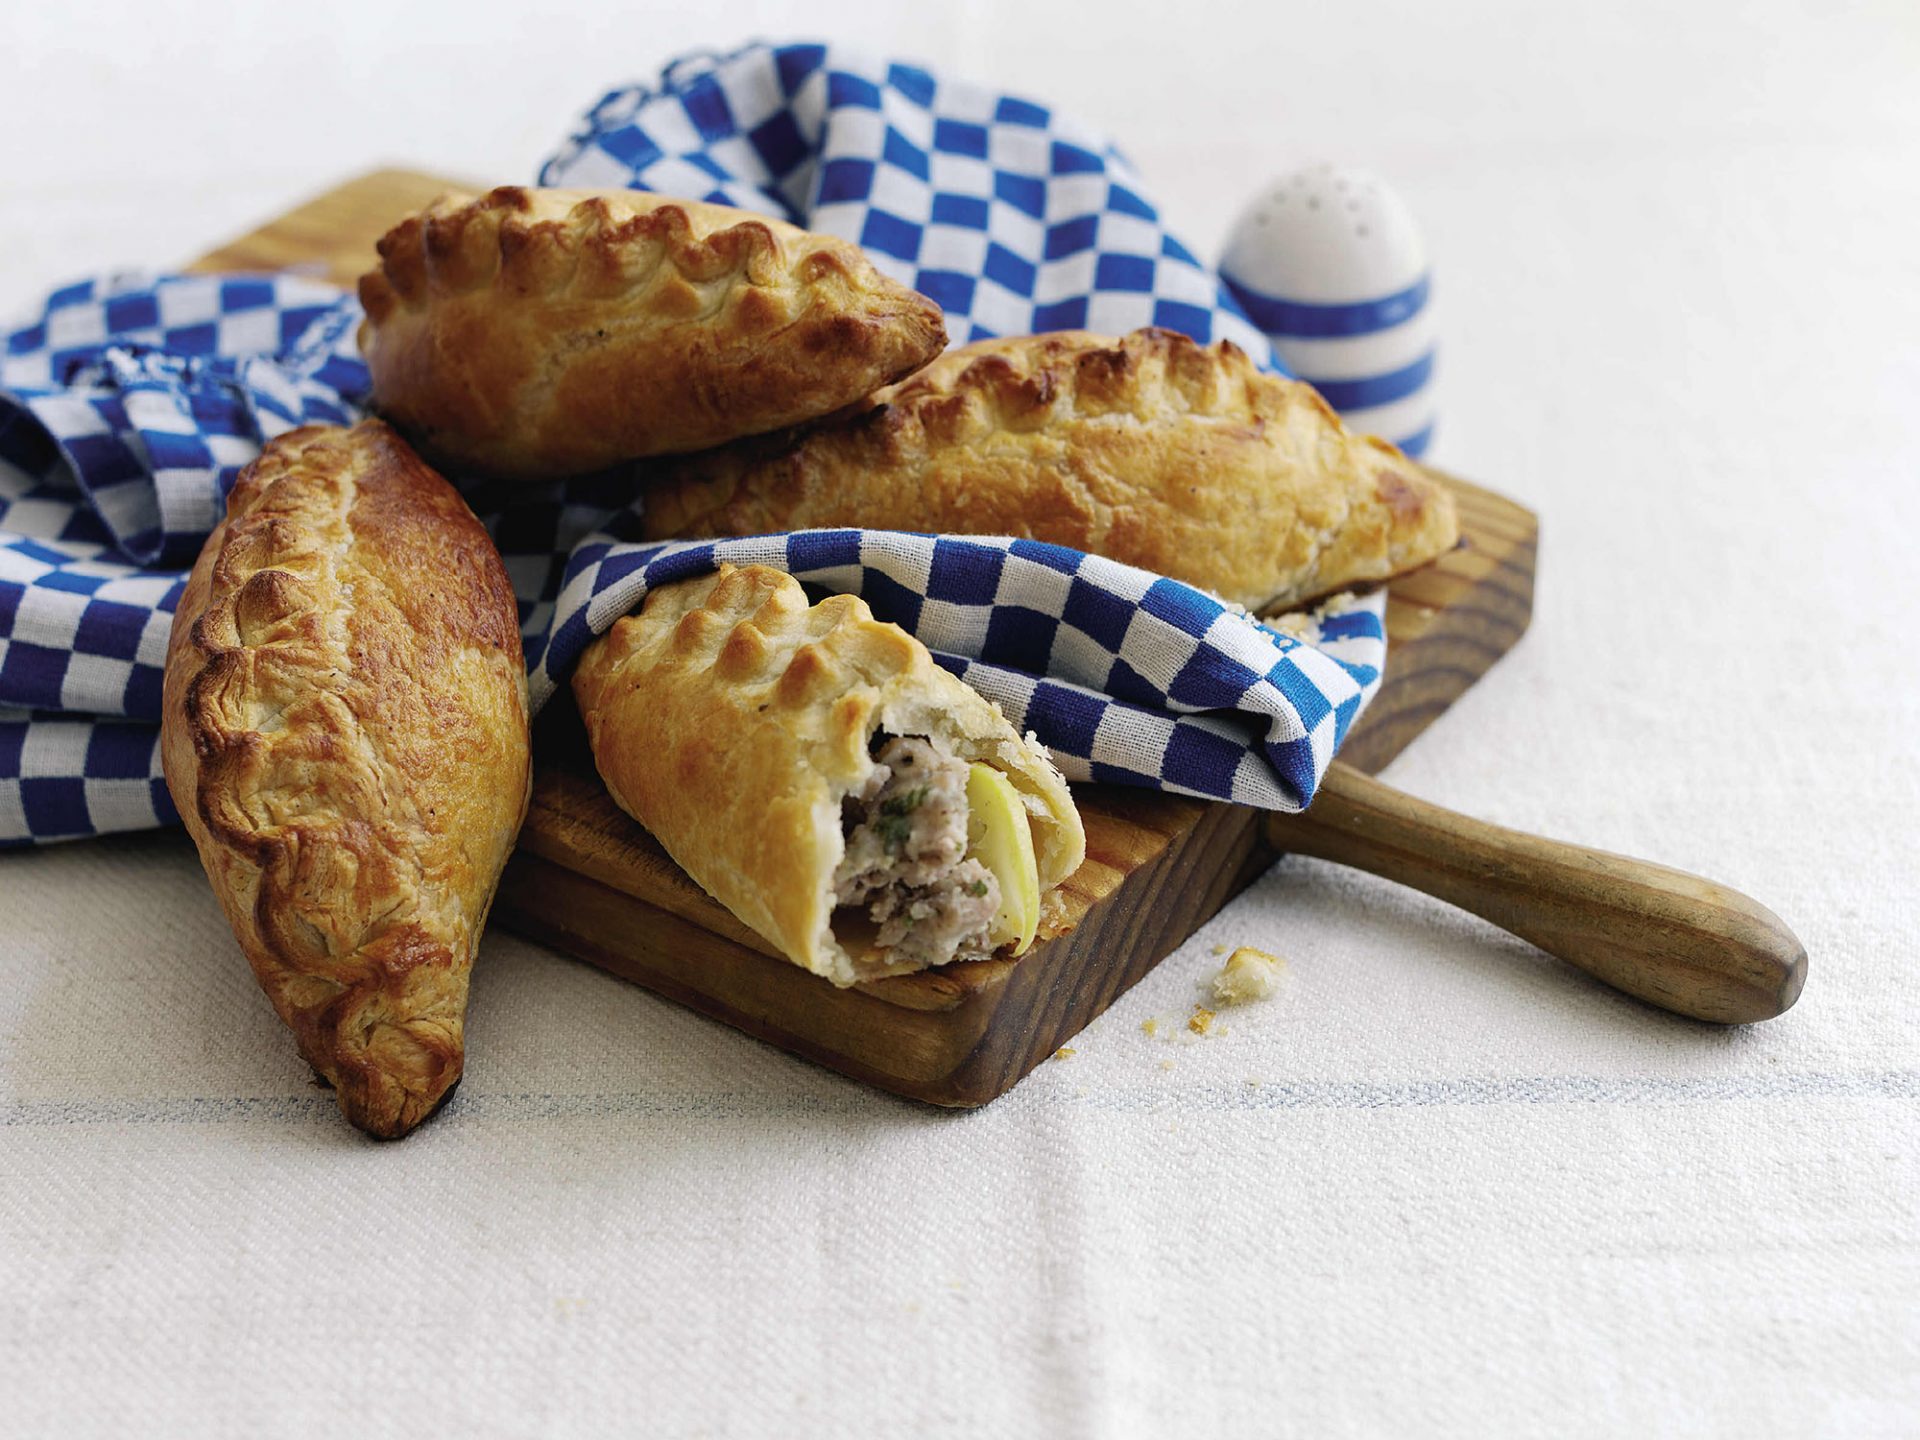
point(129, 405)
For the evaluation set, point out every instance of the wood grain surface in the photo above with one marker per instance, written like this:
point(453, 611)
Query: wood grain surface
point(1675, 940)
point(589, 881)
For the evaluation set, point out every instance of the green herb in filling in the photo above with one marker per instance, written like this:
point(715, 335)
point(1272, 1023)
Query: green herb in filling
point(892, 825)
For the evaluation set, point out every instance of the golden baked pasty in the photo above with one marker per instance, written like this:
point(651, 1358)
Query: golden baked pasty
point(1152, 450)
point(817, 773)
point(552, 332)
point(345, 735)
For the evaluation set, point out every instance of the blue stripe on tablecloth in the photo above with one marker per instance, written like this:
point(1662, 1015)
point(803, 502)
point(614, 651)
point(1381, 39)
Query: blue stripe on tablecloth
point(1463, 1091)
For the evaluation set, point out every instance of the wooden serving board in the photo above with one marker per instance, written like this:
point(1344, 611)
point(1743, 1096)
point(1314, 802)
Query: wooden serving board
point(589, 881)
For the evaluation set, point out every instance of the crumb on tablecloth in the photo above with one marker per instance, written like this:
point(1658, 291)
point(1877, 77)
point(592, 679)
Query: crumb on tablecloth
point(1247, 976)
point(1306, 624)
point(1295, 624)
point(1150, 1025)
point(1201, 1021)
point(1065, 1052)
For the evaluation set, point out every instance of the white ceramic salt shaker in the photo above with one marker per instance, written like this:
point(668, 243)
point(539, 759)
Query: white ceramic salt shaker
point(1328, 262)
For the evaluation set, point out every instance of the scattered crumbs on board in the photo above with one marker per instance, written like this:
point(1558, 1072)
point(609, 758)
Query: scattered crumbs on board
point(1201, 1021)
point(1065, 1052)
point(1247, 976)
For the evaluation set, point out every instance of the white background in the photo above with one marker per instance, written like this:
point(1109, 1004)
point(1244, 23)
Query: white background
point(1440, 1185)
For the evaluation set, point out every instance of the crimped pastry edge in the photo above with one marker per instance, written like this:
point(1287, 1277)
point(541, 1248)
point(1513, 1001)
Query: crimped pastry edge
point(976, 396)
point(202, 753)
point(532, 333)
point(721, 622)
point(530, 243)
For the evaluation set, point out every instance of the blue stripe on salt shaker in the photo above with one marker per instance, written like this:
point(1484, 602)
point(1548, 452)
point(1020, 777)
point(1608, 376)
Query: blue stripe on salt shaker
point(1328, 262)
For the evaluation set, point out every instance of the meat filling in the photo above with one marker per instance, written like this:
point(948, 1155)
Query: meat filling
point(906, 865)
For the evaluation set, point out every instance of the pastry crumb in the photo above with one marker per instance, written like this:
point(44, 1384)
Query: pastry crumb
point(1150, 1025)
point(1294, 625)
point(1218, 950)
point(1305, 625)
point(1248, 975)
point(1337, 604)
point(1053, 922)
point(1201, 1021)
point(1166, 1064)
point(1065, 1052)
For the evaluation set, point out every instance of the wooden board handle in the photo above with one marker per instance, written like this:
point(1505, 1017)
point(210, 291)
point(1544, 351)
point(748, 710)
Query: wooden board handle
point(1667, 937)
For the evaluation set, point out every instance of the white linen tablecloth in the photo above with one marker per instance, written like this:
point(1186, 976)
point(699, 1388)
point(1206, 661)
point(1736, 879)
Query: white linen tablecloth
point(1440, 1185)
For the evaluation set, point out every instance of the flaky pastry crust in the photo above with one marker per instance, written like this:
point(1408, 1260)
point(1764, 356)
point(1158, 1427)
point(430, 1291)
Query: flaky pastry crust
point(345, 735)
point(552, 332)
point(1152, 450)
point(730, 718)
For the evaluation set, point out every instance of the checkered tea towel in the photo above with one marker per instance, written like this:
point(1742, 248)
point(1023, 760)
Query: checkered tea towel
point(129, 404)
